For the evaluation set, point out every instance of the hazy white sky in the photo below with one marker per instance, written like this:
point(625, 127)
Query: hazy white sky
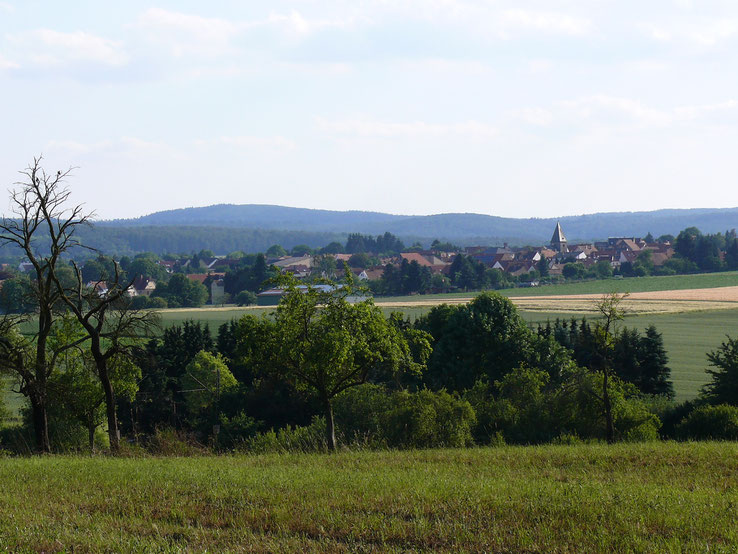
point(508, 108)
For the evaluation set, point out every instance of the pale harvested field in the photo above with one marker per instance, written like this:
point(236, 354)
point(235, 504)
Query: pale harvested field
point(665, 301)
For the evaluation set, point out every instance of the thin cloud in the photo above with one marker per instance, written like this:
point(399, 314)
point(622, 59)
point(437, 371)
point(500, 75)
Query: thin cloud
point(54, 48)
point(602, 111)
point(549, 22)
point(368, 128)
point(706, 32)
point(252, 142)
point(7, 64)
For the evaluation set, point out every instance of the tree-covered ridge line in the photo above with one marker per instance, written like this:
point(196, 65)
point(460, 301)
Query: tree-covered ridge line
point(476, 228)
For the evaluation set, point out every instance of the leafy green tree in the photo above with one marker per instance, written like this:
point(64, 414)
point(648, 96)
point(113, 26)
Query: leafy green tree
point(685, 243)
point(181, 292)
point(573, 270)
point(428, 419)
point(332, 248)
point(439, 246)
point(360, 260)
point(483, 339)
point(611, 310)
point(723, 387)
point(603, 269)
point(146, 267)
point(98, 269)
point(324, 343)
point(645, 260)
point(76, 385)
point(731, 254)
point(206, 378)
point(260, 273)
point(301, 250)
point(710, 423)
point(276, 251)
point(542, 267)
point(325, 266)
point(111, 328)
point(16, 296)
point(245, 298)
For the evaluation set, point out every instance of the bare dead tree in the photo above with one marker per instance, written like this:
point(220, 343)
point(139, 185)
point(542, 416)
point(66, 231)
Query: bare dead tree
point(38, 205)
point(111, 326)
point(611, 311)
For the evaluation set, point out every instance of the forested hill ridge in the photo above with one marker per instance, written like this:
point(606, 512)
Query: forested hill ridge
point(451, 226)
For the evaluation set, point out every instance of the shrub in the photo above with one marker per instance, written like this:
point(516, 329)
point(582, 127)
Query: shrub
point(171, 442)
point(710, 423)
point(427, 419)
point(358, 414)
point(245, 298)
point(235, 430)
point(310, 438)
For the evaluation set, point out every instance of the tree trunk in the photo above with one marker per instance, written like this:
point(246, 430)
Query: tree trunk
point(91, 434)
point(102, 371)
point(330, 429)
point(40, 424)
point(609, 426)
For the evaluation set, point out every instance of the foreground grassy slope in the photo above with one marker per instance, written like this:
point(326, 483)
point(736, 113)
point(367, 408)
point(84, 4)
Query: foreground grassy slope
point(646, 498)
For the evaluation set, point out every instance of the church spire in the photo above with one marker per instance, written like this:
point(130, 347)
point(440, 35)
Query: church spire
point(558, 240)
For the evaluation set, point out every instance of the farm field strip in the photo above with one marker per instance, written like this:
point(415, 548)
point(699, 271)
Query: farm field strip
point(603, 286)
point(638, 302)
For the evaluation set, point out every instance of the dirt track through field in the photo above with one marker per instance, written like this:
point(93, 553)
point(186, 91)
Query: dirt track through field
point(663, 301)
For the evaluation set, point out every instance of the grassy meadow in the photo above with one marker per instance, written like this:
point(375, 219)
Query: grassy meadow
point(587, 498)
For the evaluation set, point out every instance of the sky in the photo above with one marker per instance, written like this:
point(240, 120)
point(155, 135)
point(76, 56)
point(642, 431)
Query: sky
point(510, 108)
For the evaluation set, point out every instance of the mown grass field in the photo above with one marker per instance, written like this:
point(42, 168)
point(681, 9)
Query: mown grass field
point(651, 497)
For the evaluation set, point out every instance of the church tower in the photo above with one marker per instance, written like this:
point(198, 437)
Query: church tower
point(558, 240)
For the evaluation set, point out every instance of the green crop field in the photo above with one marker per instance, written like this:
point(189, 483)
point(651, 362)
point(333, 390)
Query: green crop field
point(650, 497)
point(631, 284)
point(688, 337)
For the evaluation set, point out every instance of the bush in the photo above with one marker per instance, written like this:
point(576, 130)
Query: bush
point(310, 438)
point(157, 303)
point(245, 298)
point(710, 423)
point(170, 442)
point(235, 430)
point(427, 419)
point(358, 414)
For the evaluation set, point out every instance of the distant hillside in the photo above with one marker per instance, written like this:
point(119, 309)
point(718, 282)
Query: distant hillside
point(456, 227)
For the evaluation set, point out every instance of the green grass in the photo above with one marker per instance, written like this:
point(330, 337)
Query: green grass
point(643, 498)
point(216, 318)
